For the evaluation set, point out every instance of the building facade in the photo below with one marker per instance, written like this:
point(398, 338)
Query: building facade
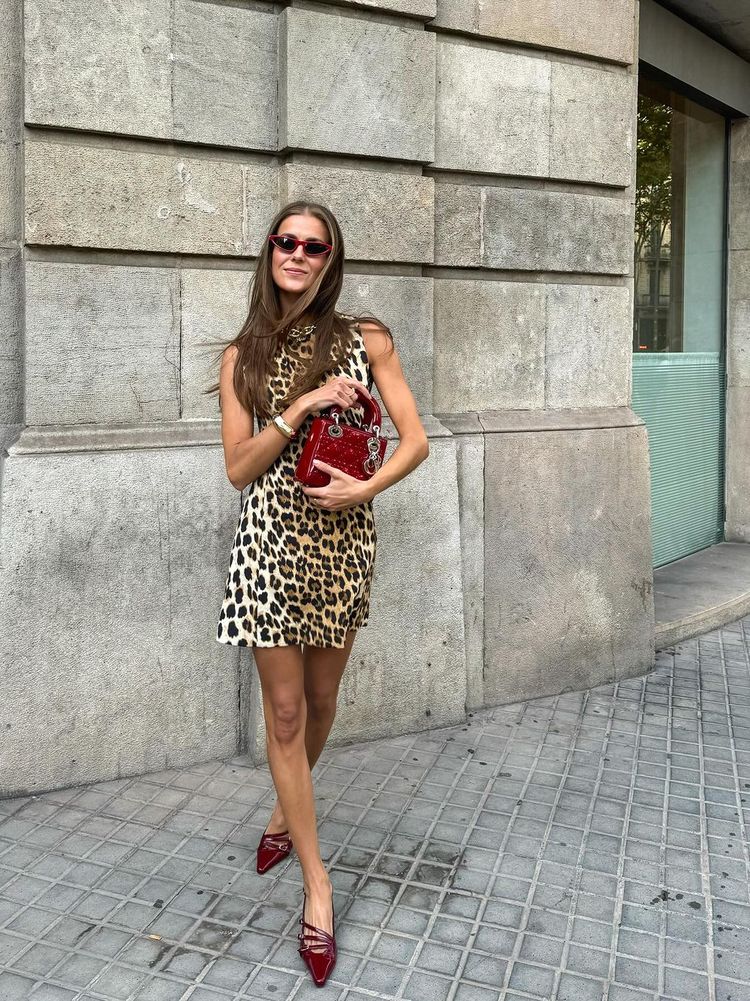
point(482, 159)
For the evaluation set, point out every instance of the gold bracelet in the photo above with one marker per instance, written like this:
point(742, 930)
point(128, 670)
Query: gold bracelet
point(286, 429)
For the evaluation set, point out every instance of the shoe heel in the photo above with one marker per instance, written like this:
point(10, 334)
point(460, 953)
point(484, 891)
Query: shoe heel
point(317, 947)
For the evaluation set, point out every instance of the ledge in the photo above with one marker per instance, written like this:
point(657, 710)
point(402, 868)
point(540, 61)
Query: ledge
point(701, 592)
point(510, 421)
point(54, 438)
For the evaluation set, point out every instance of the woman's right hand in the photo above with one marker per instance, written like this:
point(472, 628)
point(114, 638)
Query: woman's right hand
point(339, 390)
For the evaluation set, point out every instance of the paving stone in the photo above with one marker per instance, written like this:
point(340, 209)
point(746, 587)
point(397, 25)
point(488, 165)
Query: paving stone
point(38, 960)
point(160, 989)
point(426, 985)
point(79, 970)
point(226, 973)
point(268, 985)
point(14, 987)
point(594, 962)
point(452, 878)
point(484, 969)
point(383, 977)
point(472, 992)
point(637, 973)
point(574, 988)
point(398, 948)
point(48, 992)
point(534, 980)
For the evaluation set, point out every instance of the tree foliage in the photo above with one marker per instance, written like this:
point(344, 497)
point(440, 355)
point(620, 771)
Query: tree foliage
point(653, 198)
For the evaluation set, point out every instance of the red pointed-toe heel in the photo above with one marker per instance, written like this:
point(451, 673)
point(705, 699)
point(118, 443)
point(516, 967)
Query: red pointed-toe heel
point(317, 947)
point(272, 848)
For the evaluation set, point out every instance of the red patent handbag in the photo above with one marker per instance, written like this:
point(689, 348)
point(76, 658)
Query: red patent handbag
point(358, 451)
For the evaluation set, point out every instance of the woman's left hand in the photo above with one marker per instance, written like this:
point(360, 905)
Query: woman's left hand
point(343, 490)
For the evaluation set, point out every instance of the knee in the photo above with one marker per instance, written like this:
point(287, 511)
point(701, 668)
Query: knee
point(287, 724)
point(321, 705)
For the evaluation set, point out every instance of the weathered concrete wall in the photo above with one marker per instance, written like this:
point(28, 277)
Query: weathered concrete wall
point(480, 159)
point(738, 338)
point(600, 28)
point(549, 359)
point(110, 557)
point(11, 223)
point(187, 70)
point(568, 553)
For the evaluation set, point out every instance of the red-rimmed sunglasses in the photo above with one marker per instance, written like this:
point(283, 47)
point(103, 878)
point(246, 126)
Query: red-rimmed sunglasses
point(313, 248)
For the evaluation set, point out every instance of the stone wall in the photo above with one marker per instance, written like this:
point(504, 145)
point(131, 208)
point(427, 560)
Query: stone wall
point(738, 337)
point(480, 158)
point(11, 223)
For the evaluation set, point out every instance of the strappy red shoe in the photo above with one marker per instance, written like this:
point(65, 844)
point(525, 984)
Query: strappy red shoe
point(272, 848)
point(317, 947)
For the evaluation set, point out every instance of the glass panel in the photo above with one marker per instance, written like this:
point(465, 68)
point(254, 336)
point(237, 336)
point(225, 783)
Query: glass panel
point(679, 223)
point(678, 326)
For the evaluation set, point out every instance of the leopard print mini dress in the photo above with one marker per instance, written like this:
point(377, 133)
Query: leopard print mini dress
point(299, 573)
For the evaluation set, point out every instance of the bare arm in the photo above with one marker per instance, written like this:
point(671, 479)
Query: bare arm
point(247, 455)
point(413, 446)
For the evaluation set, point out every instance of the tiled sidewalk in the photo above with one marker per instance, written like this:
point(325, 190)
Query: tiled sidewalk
point(587, 847)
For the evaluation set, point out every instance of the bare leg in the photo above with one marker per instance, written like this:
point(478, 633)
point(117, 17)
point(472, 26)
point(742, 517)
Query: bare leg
point(281, 672)
point(299, 701)
point(324, 668)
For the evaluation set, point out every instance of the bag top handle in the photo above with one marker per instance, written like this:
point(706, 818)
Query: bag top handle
point(371, 407)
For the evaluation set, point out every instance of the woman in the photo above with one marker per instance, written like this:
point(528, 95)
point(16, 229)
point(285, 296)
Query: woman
point(298, 585)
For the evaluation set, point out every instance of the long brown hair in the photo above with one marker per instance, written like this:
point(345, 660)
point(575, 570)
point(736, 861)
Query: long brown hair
point(262, 332)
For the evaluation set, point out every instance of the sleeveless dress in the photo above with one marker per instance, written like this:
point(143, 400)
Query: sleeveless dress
point(299, 573)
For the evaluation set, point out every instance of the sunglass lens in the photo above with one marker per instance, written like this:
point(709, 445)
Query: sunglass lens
point(285, 243)
point(315, 249)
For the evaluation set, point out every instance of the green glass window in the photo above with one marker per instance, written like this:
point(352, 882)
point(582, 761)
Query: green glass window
point(678, 318)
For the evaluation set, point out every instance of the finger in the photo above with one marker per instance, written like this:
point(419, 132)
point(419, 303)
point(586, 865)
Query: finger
point(326, 468)
point(356, 384)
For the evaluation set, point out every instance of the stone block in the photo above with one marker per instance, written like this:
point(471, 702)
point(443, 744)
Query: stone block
point(739, 139)
point(492, 110)
point(404, 303)
point(459, 224)
point(592, 122)
point(557, 231)
point(532, 229)
point(11, 338)
point(738, 343)
point(739, 205)
point(602, 28)
point(489, 345)
point(183, 70)
point(416, 8)
point(92, 196)
point(384, 215)
point(102, 344)
point(225, 75)
point(11, 122)
point(103, 66)
point(110, 586)
point(738, 278)
point(738, 464)
point(407, 669)
point(503, 112)
point(214, 307)
point(519, 346)
point(374, 92)
point(467, 431)
point(589, 346)
point(568, 578)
